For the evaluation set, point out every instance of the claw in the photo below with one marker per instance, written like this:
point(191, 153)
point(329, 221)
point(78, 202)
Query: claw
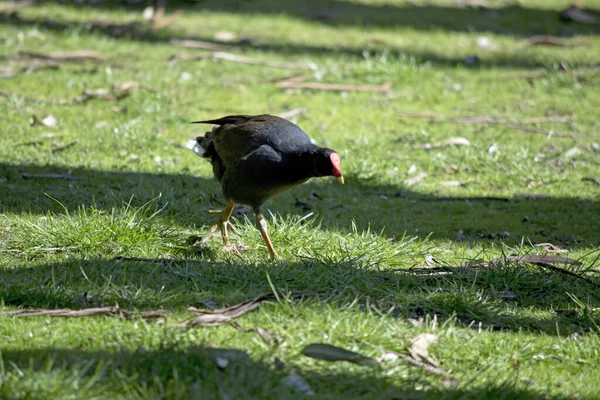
point(209, 234)
point(222, 224)
point(233, 229)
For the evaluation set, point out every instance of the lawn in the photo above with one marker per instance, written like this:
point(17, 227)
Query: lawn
point(471, 147)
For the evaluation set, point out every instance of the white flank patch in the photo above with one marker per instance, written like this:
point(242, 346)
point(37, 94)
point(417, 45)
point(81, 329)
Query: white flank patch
point(195, 147)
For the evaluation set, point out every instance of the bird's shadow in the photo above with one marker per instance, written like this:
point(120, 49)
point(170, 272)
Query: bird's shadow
point(186, 199)
point(197, 373)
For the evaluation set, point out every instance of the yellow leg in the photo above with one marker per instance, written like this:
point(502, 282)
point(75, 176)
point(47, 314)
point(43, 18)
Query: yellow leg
point(261, 224)
point(222, 224)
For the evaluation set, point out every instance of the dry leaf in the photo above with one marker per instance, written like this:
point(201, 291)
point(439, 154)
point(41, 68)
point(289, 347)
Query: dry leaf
point(293, 113)
point(78, 55)
point(451, 183)
point(535, 259)
point(572, 152)
point(541, 40)
point(224, 315)
point(225, 36)
point(481, 119)
point(67, 176)
point(334, 86)
point(267, 337)
point(550, 248)
point(576, 14)
point(450, 383)
point(420, 344)
point(327, 352)
point(416, 179)
point(224, 56)
point(88, 312)
point(198, 44)
point(392, 356)
point(50, 121)
point(457, 141)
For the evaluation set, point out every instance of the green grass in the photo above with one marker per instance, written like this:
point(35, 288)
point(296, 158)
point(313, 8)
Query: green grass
point(508, 331)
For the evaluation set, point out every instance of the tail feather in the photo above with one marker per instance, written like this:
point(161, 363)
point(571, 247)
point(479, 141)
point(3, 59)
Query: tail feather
point(194, 146)
point(203, 146)
point(228, 120)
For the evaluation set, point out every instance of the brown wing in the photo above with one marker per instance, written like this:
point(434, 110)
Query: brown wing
point(239, 135)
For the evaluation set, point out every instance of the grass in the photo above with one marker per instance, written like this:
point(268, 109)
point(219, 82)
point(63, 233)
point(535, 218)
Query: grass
point(509, 331)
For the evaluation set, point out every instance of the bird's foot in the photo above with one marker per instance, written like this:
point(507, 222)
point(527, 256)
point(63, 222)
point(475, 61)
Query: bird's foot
point(224, 227)
point(233, 229)
point(211, 232)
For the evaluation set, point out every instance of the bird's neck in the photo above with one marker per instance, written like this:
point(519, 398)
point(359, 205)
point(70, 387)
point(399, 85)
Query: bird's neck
point(300, 166)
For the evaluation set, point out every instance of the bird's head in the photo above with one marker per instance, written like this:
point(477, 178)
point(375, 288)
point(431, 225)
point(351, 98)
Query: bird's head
point(327, 163)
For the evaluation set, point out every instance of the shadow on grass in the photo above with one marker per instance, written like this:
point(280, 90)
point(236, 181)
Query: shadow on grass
point(564, 221)
point(513, 20)
point(471, 297)
point(183, 371)
point(141, 33)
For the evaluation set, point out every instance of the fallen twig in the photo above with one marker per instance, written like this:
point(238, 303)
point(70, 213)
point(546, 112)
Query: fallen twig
point(591, 179)
point(80, 55)
point(152, 260)
point(223, 56)
point(546, 262)
point(532, 196)
point(199, 44)
point(26, 175)
point(420, 364)
point(542, 73)
point(117, 29)
point(482, 119)
point(225, 315)
point(567, 272)
point(8, 95)
point(544, 40)
point(536, 259)
point(334, 86)
point(11, 5)
point(39, 66)
point(86, 312)
point(58, 149)
point(577, 14)
point(266, 336)
point(452, 198)
point(115, 93)
point(551, 133)
point(293, 113)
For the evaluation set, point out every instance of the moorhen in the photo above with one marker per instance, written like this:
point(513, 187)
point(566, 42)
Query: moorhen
point(257, 157)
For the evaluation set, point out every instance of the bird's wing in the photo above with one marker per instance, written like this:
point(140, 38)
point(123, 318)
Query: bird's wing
point(238, 135)
point(230, 120)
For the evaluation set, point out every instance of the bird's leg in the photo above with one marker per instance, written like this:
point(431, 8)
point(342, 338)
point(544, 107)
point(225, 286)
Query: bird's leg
point(222, 223)
point(261, 224)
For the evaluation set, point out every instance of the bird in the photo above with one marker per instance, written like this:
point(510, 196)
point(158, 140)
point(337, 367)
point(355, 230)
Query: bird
point(257, 157)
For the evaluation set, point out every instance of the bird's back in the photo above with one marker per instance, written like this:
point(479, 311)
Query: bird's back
point(239, 135)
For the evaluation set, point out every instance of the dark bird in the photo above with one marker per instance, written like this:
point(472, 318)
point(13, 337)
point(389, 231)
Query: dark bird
point(257, 157)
